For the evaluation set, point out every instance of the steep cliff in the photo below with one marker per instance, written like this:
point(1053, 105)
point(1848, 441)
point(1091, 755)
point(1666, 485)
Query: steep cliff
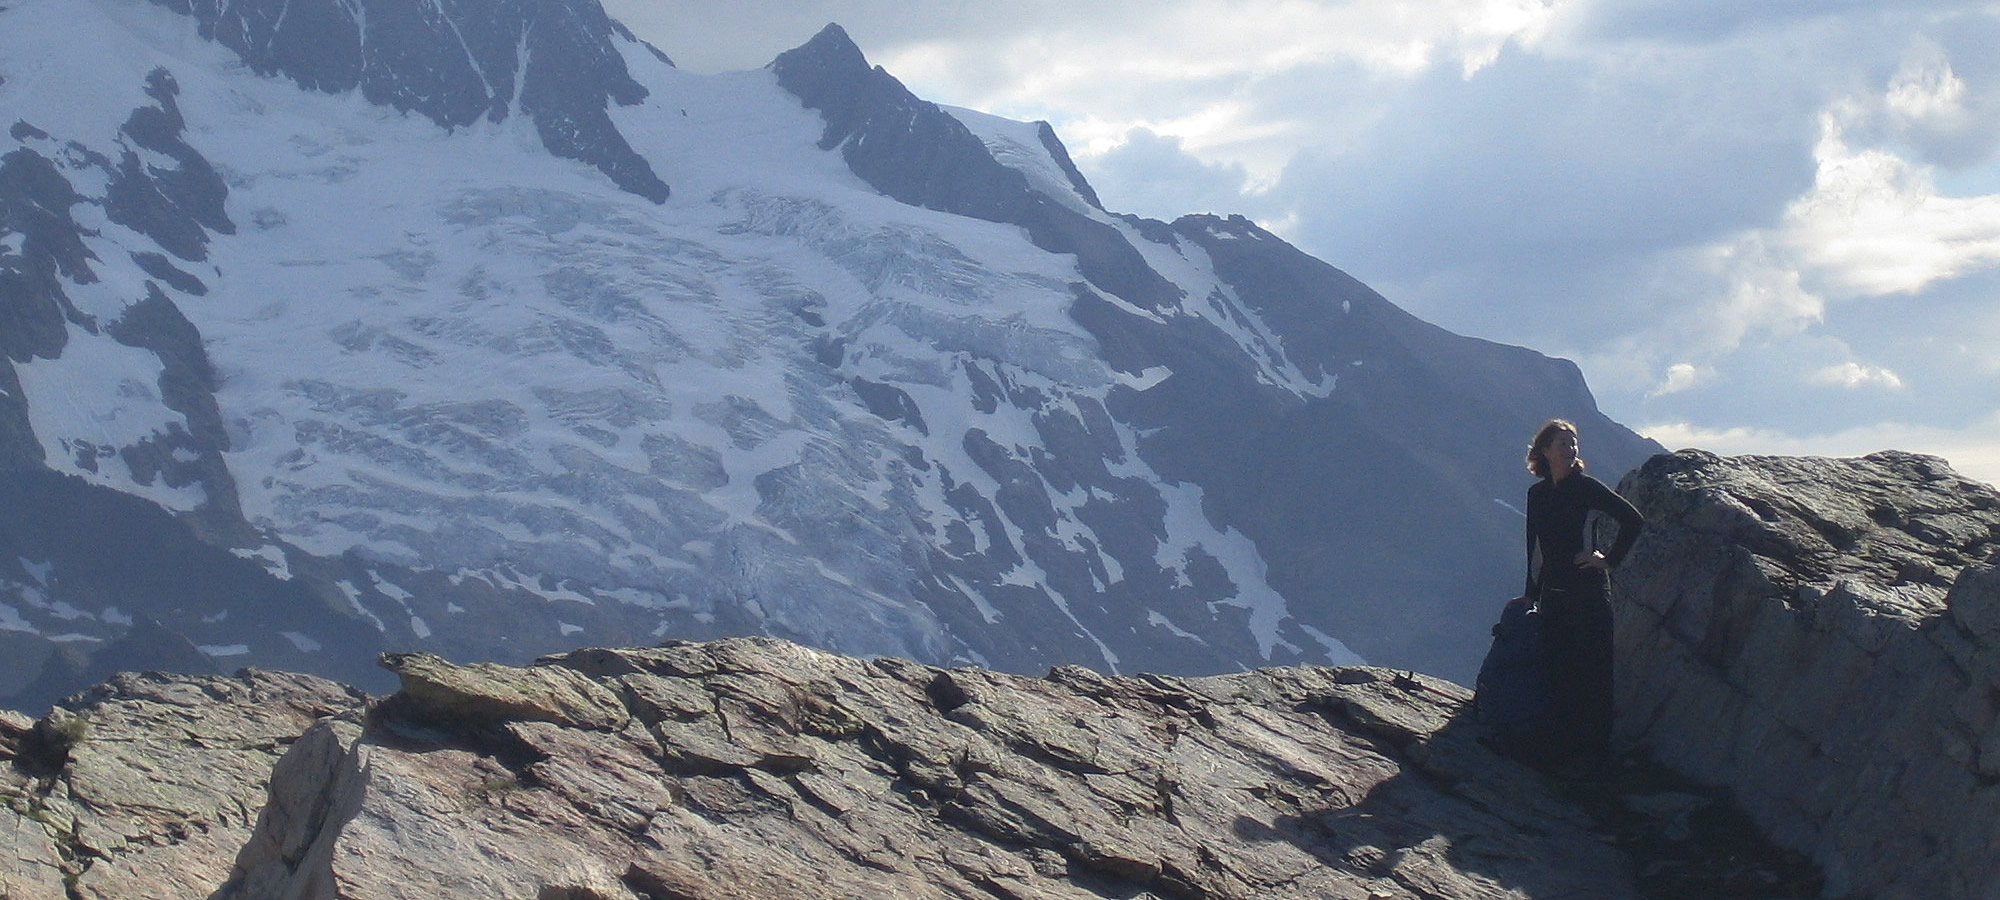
point(1823, 636)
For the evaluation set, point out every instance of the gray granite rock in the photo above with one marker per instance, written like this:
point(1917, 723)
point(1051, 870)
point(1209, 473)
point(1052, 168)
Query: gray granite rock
point(1823, 637)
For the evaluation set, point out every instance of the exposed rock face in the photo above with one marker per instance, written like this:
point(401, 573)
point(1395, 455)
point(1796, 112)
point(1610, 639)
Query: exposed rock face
point(919, 154)
point(755, 768)
point(758, 768)
point(1823, 636)
point(151, 784)
point(94, 542)
point(456, 64)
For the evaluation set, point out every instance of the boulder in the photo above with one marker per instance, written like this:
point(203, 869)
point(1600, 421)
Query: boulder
point(1822, 636)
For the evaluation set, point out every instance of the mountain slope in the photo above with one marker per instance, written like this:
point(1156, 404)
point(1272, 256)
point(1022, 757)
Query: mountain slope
point(496, 354)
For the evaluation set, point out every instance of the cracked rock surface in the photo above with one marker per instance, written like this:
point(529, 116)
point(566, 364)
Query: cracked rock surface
point(1822, 637)
point(757, 768)
point(149, 784)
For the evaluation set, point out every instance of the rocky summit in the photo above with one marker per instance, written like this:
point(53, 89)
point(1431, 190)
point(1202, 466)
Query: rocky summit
point(1823, 637)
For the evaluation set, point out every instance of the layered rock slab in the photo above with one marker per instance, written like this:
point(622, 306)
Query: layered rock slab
point(148, 785)
point(757, 768)
point(1823, 637)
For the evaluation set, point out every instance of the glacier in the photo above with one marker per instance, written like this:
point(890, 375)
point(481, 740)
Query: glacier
point(469, 393)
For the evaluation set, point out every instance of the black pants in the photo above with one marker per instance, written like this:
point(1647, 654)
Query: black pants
point(1576, 647)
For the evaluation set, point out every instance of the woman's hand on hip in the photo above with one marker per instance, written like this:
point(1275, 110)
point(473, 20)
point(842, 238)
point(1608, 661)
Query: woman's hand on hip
point(1592, 559)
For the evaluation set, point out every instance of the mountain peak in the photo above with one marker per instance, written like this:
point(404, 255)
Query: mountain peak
point(830, 74)
point(833, 45)
point(554, 62)
point(916, 152)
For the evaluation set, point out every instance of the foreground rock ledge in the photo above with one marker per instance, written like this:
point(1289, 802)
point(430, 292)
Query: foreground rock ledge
point(758, 769)
point(1823, 636)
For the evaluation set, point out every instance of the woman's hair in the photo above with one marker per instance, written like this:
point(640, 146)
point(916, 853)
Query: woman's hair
point(1543, 438)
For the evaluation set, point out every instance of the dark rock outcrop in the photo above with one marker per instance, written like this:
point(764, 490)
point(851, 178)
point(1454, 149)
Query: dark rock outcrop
point(454, 63)
point(35, 203)
point(911, 150)
point(1823, 637)
point(179, 206)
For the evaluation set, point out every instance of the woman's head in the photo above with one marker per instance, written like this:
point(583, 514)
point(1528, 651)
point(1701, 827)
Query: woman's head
point(1559, 435)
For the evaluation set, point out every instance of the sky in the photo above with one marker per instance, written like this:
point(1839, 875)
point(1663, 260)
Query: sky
point(1768, 227)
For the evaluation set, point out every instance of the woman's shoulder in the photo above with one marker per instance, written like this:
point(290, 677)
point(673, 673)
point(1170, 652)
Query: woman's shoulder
point(1591, 482)
point(1572, 485)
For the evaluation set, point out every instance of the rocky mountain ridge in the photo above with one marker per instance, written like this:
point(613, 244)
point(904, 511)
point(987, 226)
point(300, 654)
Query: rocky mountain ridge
point(757, 768)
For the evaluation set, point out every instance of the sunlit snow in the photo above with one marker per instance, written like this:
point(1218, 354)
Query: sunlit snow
point(642, 425)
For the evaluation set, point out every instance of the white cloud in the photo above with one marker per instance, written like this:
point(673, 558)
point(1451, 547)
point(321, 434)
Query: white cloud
point(1201, 71)
point(1852, 375)
point(1201, 40)
point(1680, 377)
point(1925, 92)
point(1872, 231)
point(1875, 223)
point(1763, 293)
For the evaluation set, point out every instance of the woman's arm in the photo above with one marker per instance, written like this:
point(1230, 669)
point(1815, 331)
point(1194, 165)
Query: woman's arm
point(1607, 501)
point(1528, 591)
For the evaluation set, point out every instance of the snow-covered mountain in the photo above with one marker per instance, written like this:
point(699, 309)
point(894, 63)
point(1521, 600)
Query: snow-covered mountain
point(332, 326)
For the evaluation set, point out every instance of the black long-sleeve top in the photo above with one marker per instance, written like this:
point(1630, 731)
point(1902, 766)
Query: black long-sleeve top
point(1556, 514)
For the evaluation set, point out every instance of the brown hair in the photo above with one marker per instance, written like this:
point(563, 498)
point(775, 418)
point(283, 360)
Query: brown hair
point(1543, 438)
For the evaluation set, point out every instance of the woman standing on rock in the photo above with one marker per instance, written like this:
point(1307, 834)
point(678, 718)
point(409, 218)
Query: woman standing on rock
point(1567, 579)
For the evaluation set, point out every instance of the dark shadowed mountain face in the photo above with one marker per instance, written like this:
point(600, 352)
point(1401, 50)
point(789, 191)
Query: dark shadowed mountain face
point(387, 306)
point(1384, 504)
point(1391, 503)
point(455, 62)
